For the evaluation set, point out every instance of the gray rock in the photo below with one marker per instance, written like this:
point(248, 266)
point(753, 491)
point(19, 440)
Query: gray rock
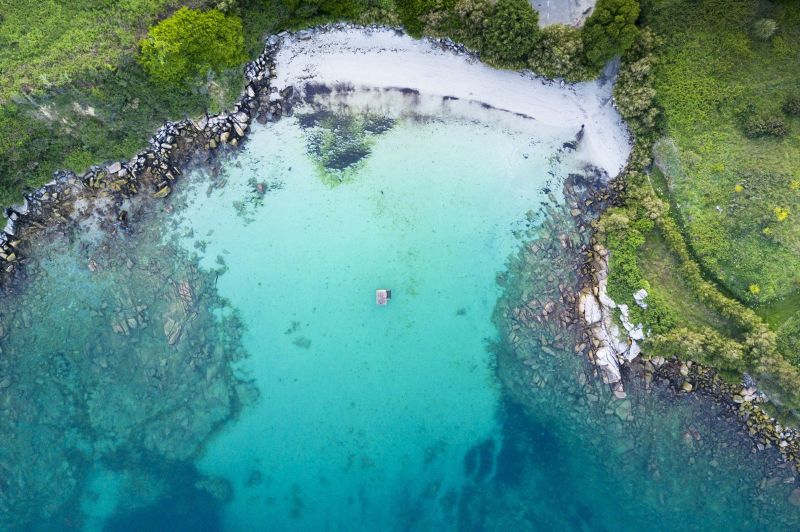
point(639, 296)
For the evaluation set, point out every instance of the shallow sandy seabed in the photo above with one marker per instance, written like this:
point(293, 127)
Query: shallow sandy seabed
point(383, 58)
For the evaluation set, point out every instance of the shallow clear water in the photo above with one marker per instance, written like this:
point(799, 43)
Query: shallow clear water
point(364, 406)
point(223, 365)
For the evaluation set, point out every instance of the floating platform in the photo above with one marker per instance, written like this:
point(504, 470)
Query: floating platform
point(382, 297)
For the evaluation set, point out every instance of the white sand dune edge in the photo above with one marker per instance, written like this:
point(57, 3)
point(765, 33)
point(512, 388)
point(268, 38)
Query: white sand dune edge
point(383, 58)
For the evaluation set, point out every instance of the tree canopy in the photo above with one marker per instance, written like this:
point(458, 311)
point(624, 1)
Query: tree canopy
point(190, 43)
point(610, 30)
point(512, 31)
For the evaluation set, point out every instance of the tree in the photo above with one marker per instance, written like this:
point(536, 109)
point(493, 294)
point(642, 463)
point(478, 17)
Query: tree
point(512, 32)
point(791, 105)
point(411, 13)
point(559, 54)
point(610, 30)
point(190, 43)
point(464, 21)
point(305, 10)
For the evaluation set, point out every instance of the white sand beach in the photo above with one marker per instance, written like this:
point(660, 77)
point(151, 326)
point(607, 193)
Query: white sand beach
point(368, 58)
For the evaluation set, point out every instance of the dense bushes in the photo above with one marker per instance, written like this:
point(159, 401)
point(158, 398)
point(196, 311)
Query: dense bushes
point(791, 106)
point(559, 54)
point(755, 125)
point(789, 339)
point(610, 30)
point(191, 43)
point(634, 93)
point(312, 9)
point(511, 32)
point(464, 21)
point(705, 346)
point(507, 33)
point(624, 237)
point(764, 29)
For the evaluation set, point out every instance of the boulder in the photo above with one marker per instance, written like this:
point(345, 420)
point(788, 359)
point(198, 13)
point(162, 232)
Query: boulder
point(639, 296)
point(592, 312)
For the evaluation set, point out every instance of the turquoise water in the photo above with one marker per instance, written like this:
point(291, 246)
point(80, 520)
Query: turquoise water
point(222, 365)
point(363, 405)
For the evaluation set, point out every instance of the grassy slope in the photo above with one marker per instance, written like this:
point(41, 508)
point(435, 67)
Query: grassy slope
point(711, 68)
point(702, 84)
point(72, 93)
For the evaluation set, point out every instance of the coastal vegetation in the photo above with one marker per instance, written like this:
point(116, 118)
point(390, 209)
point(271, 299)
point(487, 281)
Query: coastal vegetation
point(698, 121)
point(190, 44)
point(91, 81)
point(710, 90)
point(610, 30)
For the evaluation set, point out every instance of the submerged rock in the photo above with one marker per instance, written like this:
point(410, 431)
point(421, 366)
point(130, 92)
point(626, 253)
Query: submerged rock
point(97, 381)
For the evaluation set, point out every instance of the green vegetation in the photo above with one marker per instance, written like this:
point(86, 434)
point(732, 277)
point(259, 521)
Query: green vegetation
point(511, 32)
point(696, 319)
point(610, 30)
point(89, 81)
point(727, 93)
point(705, 345)
point(74, 94)
point(559, 52)
point(727, 80)
point(764, 29)
point(411, 15)
point(191, 43)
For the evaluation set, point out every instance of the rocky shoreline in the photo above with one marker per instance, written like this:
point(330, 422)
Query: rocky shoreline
point(613, 353)
point(102, 197)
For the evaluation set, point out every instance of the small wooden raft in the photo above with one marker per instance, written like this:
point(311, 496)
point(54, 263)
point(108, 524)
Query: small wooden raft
point(382, 297)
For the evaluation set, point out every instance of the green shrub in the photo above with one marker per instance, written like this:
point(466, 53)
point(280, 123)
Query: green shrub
point(659, 316)
point(610, 30)
point(512, 32)
point(464, 21)
point(191, 43)
point(791, 106)
point(624, 234)
point(303, 11)
point(559, 54)
point(411, 15)
point(634, 92)
point(30, 151)
point(705, 346)
point(764, 29)
point(789, 339)
point(757, 125)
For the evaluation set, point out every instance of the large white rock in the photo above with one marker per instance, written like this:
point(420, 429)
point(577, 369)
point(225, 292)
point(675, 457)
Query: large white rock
point(639, 296)
point(592, 312)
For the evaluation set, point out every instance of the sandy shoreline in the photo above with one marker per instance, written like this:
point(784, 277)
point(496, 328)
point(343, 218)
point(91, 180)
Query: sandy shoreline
point(369, 58)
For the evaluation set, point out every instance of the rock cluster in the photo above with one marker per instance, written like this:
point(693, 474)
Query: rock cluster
point(140, 364)
point(610, 349)
point(543, 318)
point(740, 400)
point(611, 352)
point(154, 169)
